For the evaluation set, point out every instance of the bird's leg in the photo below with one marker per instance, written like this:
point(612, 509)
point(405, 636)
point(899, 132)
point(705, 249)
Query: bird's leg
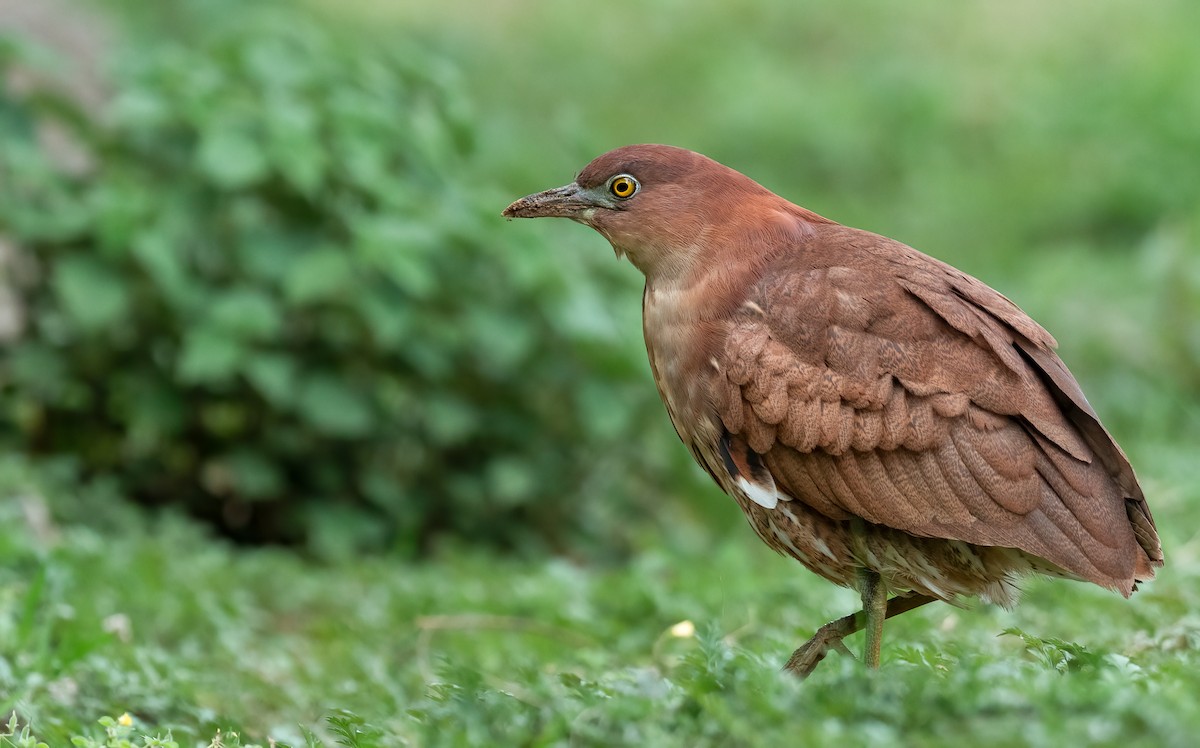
point(874, 602)
point(805, 659)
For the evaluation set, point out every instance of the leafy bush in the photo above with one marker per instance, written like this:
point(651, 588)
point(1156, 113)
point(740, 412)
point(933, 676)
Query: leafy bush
point(272, 290)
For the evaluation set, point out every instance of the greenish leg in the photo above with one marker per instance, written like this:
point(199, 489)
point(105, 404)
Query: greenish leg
point(805, 659)
point(875, 605)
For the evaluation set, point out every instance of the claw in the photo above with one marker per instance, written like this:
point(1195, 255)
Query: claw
point(804, 660)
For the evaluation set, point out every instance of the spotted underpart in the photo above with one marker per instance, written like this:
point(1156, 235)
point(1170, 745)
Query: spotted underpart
point(944, 569)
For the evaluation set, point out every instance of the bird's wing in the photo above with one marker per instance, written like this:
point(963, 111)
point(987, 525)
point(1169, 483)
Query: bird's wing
point(880, 383)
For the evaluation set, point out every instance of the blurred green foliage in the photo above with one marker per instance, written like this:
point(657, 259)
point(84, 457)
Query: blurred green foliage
point(268, 281)
point(272, 285)
point(273, 291)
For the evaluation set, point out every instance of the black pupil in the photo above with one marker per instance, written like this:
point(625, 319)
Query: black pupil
point(623, 187)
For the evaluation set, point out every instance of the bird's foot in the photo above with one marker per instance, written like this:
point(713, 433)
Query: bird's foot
point(805, 659)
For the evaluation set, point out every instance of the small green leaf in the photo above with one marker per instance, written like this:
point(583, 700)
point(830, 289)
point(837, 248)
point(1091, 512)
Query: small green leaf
point(37, 369)
point(273, 375)
point(140, 109)
point(246, 313)
point(402, 251)
point(511, 480)
point(320, 274)
point(333, 407)
point(448, 420)
point(158, 253)
point(381, 486)
point(390, 322)
point(264, 252)
point(151, 410)
point(231, 158)
point(209, 356)
point(90, 292)
point(295, 146)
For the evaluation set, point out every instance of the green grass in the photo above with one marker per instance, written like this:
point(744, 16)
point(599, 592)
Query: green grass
point(152, 617)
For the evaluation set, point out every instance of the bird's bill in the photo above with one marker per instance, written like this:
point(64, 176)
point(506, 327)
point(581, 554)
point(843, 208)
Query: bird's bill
point(568, 201)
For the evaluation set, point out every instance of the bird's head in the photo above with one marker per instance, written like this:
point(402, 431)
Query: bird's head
point(663, 207)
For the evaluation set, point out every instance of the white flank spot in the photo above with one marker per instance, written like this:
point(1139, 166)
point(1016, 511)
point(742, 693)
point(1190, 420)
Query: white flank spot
point(759, 495)
point(754, 308)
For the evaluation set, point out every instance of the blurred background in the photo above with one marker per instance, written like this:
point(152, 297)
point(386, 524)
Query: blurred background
point(252, 267)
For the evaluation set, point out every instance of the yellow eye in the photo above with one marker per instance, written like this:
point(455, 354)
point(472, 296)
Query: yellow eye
point(623, 186)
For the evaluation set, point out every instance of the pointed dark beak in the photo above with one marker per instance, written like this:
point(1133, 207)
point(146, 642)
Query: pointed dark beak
point(561, 202)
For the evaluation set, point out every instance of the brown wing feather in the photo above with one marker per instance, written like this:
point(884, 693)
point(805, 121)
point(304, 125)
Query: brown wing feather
point(883, 384)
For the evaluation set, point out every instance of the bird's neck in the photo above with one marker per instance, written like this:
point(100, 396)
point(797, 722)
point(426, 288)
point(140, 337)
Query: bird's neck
point(685, 319)
point(693, 294)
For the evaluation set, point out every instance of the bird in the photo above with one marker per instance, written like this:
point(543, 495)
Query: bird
point(892, 423)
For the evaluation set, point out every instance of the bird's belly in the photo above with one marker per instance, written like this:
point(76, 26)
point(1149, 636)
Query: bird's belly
point(945, 569)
